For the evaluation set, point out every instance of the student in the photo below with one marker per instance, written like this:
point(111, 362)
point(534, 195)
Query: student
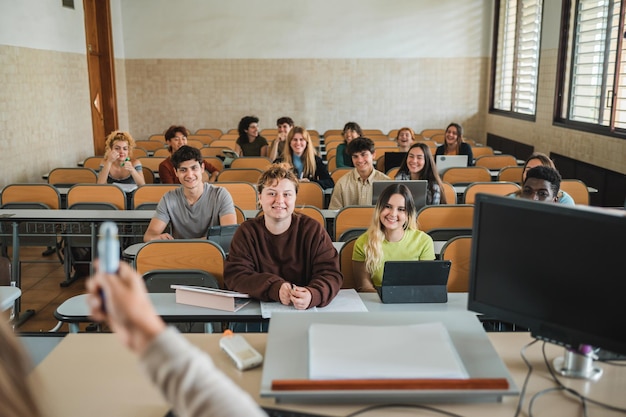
point(454, 144)
point(404, 139)
point(250, 143)
point(355, 188)
point(282, 256)
point(392, 235)
point(118, 165)
point(541, 184)
point(176, 136)
point(193, 207)
point(541, 159)
point(419, 165)
point(284, 125)
point(185, 375)
point(301, 156)
point(351, 131)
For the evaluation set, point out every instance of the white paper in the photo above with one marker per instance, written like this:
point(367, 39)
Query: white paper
point(213, 291)
point(416, 351)
point(346, 301)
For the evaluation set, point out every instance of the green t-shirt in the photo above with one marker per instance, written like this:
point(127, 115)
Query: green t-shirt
point(414, 245)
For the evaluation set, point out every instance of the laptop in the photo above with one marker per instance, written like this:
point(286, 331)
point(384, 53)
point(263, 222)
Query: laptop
point(444, 162)
point(415, 282)
point(418, 190)
point(394, 159)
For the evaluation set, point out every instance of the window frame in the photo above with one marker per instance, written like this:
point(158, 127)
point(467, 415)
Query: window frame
point(562, 97)
point(494, 63)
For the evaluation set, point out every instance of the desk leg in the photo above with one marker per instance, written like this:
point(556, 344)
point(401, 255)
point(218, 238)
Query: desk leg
point(16, 278)
point(74, 327)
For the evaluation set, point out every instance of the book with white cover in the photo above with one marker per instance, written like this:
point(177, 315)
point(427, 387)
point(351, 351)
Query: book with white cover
point(210, 297)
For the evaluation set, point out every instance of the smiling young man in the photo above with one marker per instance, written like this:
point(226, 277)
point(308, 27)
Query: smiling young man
point(542, 184)
point(355, 188)
point(193, 207)
point(282, 256)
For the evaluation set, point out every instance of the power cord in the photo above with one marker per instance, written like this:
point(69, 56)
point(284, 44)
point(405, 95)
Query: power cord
point(525, 385)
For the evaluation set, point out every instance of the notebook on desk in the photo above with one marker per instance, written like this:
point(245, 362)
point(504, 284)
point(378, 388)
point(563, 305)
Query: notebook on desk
point(417, 188)
point(415, 282)
point(445, 162)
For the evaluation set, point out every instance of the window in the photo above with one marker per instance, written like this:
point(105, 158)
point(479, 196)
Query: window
point(591, 93)
point(516, 57)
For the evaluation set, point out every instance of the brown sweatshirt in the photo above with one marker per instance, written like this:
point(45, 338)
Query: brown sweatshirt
point(260, 262)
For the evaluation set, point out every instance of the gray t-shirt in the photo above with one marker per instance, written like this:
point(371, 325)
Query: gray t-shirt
point(192, 222)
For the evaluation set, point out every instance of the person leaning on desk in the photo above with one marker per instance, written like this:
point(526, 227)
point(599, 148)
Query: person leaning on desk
point(283, 256)
point(185, 375)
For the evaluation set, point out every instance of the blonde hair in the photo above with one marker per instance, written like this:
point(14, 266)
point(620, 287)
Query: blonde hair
point(116, 136)
point(16, 396)
point(308, 158)
point(376, 230)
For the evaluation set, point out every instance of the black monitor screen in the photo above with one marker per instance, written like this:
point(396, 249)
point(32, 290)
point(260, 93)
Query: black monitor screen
point(559, 271)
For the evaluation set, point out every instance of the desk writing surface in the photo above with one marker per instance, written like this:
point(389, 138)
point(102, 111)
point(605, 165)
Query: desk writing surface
point(94, 375)
point(8, 295)
point(64, 215)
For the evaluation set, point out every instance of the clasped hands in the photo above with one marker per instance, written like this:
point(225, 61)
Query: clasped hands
point(290, 293)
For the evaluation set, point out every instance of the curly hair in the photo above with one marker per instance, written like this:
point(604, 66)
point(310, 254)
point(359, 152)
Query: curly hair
point(117, 136)
point(277, 172)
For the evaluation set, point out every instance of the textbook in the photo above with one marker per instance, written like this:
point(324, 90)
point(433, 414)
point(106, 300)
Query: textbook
point(210, 297)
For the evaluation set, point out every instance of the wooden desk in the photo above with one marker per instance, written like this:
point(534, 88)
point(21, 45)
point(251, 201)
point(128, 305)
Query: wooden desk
point(75, 310)
point(94, 374)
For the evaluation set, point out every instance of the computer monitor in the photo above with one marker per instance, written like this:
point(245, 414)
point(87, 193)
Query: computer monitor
point(558, 271)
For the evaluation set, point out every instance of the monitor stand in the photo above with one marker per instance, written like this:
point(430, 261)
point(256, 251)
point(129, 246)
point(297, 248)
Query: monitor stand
point(577, 364)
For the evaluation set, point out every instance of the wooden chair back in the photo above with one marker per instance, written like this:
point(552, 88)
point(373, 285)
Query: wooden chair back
point(151, 193)
point(158, 137)
point(93, 162)
point(97, 193)
point(241, 216)
point(332, 163)
point(457, 216)
point(250, 175)
point(458, 251)
point(243, 193)
point(428, 133)
point(139, 152)
point(258, 162)
point(313, 212)
point(496, 161)
point(479, 151)
point(331, 153)
point(148, 175)
point(205, 140)
point(161, 153)
point(195, 143)
point(68, 176)
point(151, 162)
point(182, 254)
point(337, 173)
point(214, 133)
point(450, 193)
point(216, 162)
point(333, 139)
point(213, 151)
point(310, 194)
point(438, 137)
point(466, 175)
point(345, 263)
point(577, 189)
point(331, 132)
point(31, 193)
point(511, 174)
point(393, 172)
point(492, 187)
point(351, 217)
point(150, 145)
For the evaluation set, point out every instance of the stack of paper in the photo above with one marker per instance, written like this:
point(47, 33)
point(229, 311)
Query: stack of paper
point(415, 351)
point(210, 297)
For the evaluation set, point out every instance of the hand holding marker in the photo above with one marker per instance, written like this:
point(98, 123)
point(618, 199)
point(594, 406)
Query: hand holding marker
point(125, 160)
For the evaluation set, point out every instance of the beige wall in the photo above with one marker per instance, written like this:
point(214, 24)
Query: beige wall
point(603, 151)
point(318, 93)
point(44, 112)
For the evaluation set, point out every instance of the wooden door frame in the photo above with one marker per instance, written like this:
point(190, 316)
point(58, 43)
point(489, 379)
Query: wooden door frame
point(101, 69)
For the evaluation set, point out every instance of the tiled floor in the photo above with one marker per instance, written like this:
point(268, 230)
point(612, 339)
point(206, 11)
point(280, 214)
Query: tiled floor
point(41, 290)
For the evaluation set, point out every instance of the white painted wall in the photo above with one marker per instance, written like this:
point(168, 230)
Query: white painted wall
point(326, 29)
point(42, 24)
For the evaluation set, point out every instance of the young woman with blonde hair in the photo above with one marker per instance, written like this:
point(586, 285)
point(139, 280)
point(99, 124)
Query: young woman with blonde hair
point(392, 236)
point(300, 154)
point(118, 165)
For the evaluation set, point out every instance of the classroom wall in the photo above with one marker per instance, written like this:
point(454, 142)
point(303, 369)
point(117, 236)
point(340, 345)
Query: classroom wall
point(603, 151)
point(384, 64)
